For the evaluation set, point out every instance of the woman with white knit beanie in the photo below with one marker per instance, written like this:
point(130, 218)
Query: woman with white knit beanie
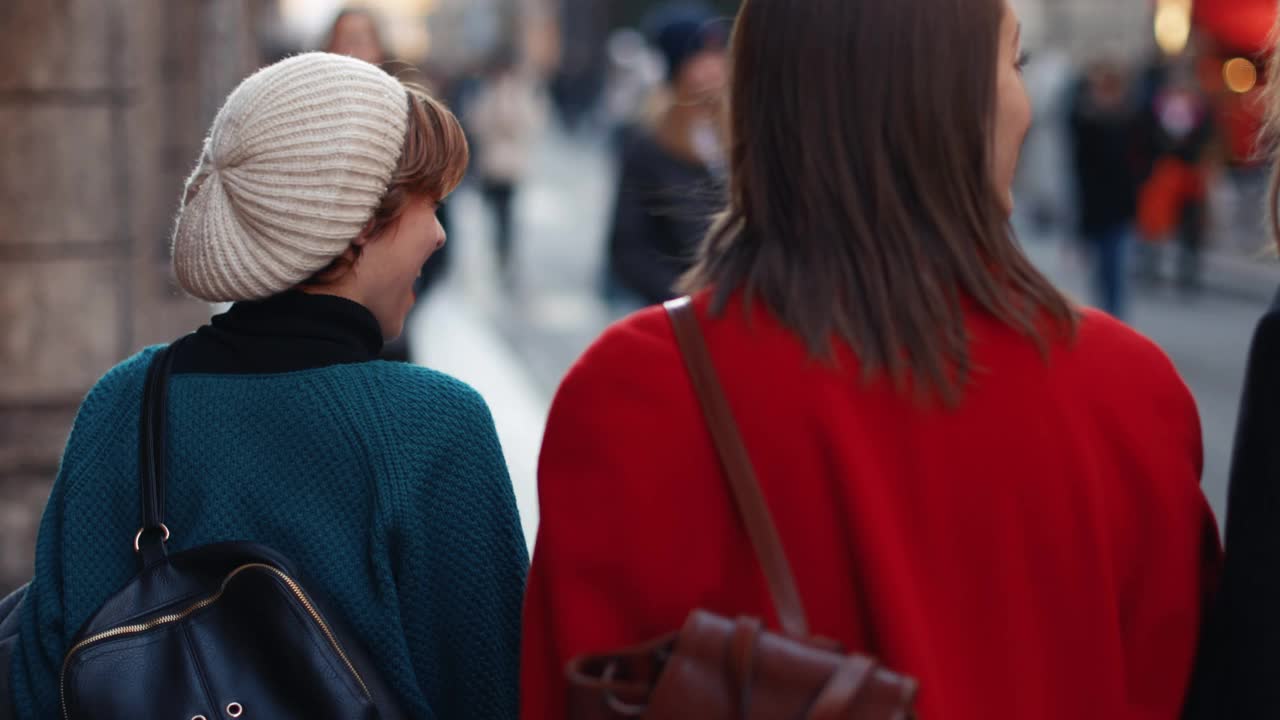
point(312, 209)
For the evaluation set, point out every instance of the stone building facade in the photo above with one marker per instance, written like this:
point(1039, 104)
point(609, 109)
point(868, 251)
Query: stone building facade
point(103, 104)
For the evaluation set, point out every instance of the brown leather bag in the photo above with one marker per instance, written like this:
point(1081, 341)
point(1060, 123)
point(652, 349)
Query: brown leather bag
point(719, 668)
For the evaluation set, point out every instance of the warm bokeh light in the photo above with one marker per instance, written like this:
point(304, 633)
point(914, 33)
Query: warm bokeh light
point(1173, 25)
point(1240, 74)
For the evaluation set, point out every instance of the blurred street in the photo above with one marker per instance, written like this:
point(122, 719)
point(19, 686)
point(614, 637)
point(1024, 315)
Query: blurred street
point(515, 349)
point(1146, 117)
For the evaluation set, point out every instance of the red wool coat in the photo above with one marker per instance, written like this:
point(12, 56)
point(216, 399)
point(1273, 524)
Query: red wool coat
point(1042, 551)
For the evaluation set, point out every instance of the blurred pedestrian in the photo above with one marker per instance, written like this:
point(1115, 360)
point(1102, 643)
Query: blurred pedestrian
point(975, 481)
point(1104, 127)
point(1235, 675)
point(356, 33)
point(312, 208)
point(1174, 199)
point(506, 119)
point(580, 74)
point(668, 191)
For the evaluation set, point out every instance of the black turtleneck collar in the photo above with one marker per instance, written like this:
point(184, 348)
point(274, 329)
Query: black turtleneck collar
point(286, 333)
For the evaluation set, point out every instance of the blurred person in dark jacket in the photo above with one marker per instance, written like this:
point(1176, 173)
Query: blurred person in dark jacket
point(1103, 129)
point(668, 191)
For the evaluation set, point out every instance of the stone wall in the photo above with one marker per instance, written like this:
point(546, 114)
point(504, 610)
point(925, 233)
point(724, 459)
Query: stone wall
point(103, 104)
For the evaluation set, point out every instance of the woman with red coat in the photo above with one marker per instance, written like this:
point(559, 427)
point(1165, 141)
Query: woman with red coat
point(981, 484)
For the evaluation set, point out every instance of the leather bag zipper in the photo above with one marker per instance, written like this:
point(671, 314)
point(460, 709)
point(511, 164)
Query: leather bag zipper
point(195, 607)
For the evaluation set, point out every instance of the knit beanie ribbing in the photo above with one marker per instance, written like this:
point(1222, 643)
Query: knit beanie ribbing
point(295, 164)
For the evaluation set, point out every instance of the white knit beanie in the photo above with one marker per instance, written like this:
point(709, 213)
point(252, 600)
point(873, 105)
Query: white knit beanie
point(294, 166)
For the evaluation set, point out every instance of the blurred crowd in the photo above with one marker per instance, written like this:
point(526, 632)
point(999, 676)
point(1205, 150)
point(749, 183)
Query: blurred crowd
point(1146, 167)
point(658, 104)
point(1142, 166)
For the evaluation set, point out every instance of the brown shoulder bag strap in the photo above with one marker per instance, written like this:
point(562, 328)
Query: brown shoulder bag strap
point(743, 485)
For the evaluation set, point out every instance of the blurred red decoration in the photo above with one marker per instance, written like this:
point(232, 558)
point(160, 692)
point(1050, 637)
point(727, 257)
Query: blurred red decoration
point(1243, 26)
point(1236, 29)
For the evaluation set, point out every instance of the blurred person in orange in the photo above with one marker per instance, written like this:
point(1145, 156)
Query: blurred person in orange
point(1173, 201)
point(981, 484)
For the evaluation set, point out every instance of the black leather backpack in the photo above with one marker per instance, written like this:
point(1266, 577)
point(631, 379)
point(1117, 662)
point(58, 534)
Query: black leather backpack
point(219, 631)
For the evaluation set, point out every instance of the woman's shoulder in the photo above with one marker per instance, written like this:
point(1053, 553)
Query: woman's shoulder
point(121, 386)
point(638, 361)
point(628, 346)
point(1115, 362)
point(644, 331)
point(420, 416)
point(411, 389)
point(109, 411)
point(634, 363)
point(1104, 339)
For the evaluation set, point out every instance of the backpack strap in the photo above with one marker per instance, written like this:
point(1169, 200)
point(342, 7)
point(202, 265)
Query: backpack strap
point(152, 457)
point(743, 485)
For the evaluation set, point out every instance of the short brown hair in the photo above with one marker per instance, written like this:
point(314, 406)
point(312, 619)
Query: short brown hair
point(432, 163)
point(862, 206)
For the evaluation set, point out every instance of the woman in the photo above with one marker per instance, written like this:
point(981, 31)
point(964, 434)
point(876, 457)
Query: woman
point(312, 208)
point(667, 191)
point(1236, 673)
point(988, 488)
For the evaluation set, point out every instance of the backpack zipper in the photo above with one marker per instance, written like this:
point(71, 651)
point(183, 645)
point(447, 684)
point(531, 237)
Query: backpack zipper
point(175, 617)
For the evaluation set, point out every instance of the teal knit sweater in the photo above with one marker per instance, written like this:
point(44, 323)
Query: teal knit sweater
point(384, 483)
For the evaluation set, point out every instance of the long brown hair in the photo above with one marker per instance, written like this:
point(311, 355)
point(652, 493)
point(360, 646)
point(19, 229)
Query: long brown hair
point(862, 205)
